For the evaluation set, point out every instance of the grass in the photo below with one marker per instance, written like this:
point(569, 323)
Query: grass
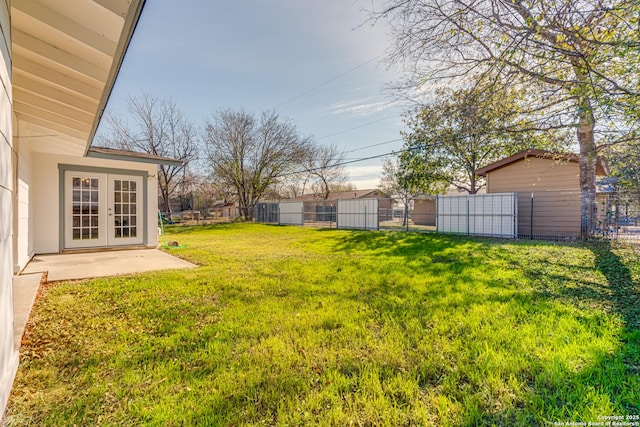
point(294, 326)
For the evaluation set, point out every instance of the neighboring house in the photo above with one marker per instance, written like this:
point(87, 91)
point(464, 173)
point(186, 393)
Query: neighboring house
point(548, 186)
point(341, 195)
point(58, 63)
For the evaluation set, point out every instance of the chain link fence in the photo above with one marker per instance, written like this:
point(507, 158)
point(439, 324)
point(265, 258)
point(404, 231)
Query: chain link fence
point(542, 215)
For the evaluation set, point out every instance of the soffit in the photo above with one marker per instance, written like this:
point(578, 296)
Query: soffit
point(66, 56)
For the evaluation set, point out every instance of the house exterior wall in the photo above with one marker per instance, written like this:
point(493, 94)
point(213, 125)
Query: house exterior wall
point(46, 196)
point(554, 209)
point(8, 355)
point(24, 221)
point(534, 174)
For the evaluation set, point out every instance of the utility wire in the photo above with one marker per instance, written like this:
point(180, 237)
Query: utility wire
point(373, 145)
point(326, 82)
point(356, 127)
point(348, 162)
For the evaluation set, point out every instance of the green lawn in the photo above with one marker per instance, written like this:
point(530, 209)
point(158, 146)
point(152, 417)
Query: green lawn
point(295, 326)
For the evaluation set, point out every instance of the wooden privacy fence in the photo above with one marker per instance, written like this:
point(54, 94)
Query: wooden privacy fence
point(494, 215)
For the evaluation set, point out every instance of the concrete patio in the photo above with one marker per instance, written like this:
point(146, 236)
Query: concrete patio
point(77, 266)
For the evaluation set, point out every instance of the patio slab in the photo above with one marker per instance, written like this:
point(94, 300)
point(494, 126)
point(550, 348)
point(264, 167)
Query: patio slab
point(87, 265)
point(76, 266)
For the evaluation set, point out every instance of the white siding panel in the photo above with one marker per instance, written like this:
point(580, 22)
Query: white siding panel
point(6, 180)
point(478, 215)
point(291, 213)
point(152, 203)
point(6, 214)
point(25, 220)
point(8, 355)
point(358, 214)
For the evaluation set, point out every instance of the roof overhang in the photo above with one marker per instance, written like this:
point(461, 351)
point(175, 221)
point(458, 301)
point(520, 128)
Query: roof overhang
point(66, 57)
point(131, 156)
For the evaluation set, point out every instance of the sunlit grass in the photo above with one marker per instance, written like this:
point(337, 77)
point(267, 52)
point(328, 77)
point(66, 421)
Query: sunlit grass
point(292, 326)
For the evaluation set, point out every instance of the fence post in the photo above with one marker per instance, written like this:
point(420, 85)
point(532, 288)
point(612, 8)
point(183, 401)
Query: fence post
point(468, 217)
point(365, 217)
point(531, 219)
point(437, 213)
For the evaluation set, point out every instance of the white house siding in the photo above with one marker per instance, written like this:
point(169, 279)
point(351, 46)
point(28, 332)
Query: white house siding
point(46, 197)
point(8, 355)
point(24, 240)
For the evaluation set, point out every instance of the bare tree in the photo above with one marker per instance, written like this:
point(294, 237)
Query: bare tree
point(250, 154)
point(161, 129)
point(293, 185)
point(395, 181)
point(579, 58)
point(323, 164)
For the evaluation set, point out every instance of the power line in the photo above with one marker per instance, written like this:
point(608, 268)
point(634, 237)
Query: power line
point(326, 82)
point(348, 162)
point(356, 127)
point(373, 145)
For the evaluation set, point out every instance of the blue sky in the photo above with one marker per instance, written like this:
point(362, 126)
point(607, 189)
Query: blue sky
point(314, 63)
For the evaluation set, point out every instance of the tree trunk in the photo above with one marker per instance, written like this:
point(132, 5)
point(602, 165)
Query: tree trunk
point(405, 219)
point(588, 159)
point(167, 203)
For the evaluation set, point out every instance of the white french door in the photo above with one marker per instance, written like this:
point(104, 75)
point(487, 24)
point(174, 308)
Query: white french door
point(102, 210)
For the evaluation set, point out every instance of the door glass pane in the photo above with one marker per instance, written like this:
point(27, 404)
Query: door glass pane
point(125, 208)
point(84, 208)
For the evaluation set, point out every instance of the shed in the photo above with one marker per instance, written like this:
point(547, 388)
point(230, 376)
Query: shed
point(548, 187)
point(424, 211)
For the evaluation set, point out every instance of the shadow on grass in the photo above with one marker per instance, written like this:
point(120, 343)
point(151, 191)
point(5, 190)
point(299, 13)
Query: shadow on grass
point(625, 291)
point(391, 243)
point(611, 377)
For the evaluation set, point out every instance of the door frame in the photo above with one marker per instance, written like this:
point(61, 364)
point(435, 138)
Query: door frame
point(114, 240)
point(63, 168)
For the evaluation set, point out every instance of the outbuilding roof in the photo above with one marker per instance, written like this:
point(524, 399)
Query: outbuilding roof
point(601, 165)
